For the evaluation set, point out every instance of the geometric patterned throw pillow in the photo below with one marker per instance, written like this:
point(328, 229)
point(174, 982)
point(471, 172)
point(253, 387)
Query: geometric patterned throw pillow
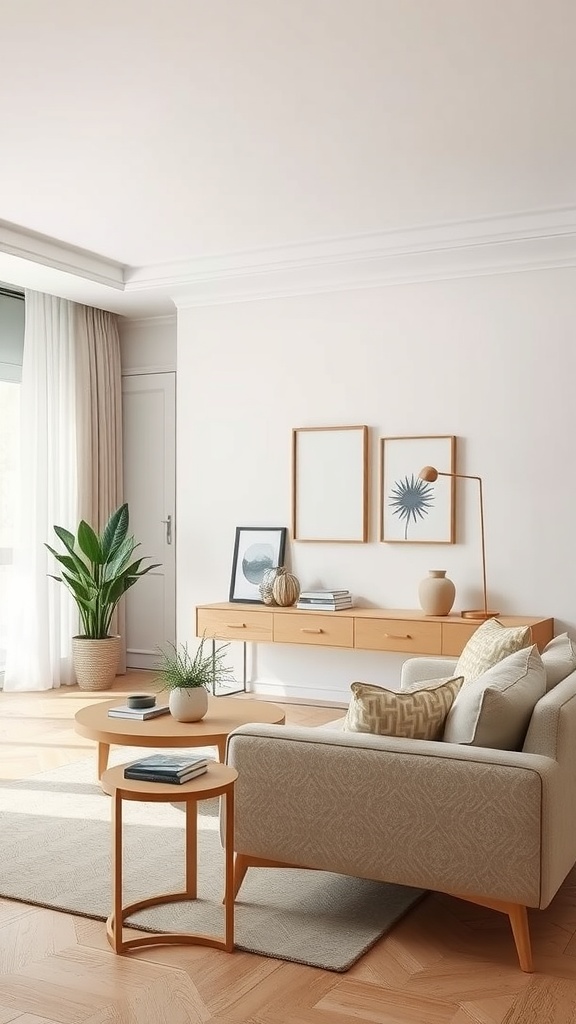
point(417, 715)
point(488, 645)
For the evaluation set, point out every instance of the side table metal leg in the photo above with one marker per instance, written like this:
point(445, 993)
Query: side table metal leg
point(244, 669)
point(191, 849)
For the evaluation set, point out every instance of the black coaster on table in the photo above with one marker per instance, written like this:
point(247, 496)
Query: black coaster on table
point(141, 700)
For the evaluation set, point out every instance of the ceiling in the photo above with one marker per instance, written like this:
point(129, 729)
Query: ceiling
point(158, 133)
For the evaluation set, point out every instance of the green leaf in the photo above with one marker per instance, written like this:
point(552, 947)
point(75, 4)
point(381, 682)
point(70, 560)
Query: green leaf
point(89, 544)
point(119, 559)
point(98, 584)
point(79, 588)
point(114, 533)
point(66, 560)
point(66, 537)
point(81, 570)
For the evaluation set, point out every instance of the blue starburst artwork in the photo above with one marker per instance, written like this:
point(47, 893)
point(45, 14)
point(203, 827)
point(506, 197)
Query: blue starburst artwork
point(412, 509)
point(411, 499)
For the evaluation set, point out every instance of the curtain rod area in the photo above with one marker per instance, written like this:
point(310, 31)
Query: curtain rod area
point(11, 293)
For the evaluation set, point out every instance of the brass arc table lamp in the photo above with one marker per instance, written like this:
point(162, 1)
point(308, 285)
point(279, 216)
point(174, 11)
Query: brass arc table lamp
point(430, 474)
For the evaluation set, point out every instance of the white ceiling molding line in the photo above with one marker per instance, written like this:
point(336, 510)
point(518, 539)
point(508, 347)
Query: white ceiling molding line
point(145, 321)
point(528, 241)
point(58, 256)
point(535, 240)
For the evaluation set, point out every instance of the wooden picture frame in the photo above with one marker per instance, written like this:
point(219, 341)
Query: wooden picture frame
point(330, 484)
point(413, 511)
point(256, 549)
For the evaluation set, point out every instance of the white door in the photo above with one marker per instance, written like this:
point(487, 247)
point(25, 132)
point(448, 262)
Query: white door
point(149, 438)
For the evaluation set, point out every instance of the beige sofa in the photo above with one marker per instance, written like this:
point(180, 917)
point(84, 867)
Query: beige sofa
point(491, 826)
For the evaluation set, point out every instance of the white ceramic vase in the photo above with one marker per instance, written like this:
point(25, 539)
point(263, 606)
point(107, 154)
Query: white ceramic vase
point(436, 593)
point(188, 705)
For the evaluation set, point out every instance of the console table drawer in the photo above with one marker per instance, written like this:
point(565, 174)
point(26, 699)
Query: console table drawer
point(330, 630)
point(408, 636)
point(234, 625)
point(455, 636)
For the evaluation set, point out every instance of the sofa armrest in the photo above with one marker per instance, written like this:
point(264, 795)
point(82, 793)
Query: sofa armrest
point(418, 670)
point(422, 813)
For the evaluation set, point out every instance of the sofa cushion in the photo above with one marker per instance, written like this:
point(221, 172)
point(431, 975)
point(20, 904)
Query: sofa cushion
point(495, 709)
point(417, 715)
point(489, 644)
point(559, 659)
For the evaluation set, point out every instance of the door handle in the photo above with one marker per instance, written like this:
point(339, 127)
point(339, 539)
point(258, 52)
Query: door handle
point(168, 524)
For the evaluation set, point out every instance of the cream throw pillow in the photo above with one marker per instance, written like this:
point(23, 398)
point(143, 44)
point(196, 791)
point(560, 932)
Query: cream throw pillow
point(495, 709)
point(488, 645)
point(417, 715)
point(559, 659)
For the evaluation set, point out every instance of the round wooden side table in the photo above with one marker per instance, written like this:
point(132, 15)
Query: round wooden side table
point(217, 781)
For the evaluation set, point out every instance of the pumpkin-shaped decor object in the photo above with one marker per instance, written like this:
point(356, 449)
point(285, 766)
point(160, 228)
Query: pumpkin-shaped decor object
point(286, 588)
point(267, 584)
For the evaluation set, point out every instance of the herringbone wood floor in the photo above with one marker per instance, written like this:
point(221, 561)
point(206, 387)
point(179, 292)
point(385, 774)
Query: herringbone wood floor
point(447, 962)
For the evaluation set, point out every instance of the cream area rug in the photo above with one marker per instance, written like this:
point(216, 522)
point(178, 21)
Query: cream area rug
point(55, 852)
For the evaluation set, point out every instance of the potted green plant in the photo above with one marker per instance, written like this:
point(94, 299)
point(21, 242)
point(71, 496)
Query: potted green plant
point(188, 677)
point(98, 569)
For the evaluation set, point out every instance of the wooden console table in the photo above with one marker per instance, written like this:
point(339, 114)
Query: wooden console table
point(370, 629)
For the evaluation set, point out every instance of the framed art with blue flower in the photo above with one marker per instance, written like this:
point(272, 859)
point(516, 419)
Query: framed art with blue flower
point(412, 510)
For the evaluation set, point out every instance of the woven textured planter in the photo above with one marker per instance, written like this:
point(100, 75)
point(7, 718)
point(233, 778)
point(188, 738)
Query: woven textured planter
point(96, 661)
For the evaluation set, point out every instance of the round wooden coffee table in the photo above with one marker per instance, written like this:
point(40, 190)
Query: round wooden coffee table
point(217, 781)
point(223, 716)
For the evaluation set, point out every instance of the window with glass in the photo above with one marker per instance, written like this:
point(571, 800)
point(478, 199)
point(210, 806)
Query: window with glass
point(11, 348)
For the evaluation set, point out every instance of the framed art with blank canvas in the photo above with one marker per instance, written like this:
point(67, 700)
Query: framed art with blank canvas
point(413, 510)
point(330, 484)
point(256, 549)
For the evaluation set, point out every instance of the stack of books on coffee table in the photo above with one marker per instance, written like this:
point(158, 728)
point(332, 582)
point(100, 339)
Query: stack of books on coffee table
point(325, 600)
point(138, 714)
point(167, 768)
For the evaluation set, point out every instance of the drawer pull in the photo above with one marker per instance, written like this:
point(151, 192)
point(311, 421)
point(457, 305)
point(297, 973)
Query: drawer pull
point(397, 636)
point(235, 625)
point(305, 630)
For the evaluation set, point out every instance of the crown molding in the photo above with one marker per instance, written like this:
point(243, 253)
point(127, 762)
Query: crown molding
point(536, 240)
point(56, 255)
point(144, 321)
point(533, 240)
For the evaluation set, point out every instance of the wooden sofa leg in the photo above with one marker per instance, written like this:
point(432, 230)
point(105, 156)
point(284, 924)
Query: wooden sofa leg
point(518, 917)
point(243, 861)
point(519, 923)
point(241, 865)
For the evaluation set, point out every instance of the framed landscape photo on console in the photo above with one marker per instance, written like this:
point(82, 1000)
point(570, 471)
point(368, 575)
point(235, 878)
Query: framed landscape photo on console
point(330, 484)
point(256, 549)
point(413, 510)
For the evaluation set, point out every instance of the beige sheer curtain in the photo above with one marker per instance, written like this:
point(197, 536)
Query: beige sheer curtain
point(99, 423)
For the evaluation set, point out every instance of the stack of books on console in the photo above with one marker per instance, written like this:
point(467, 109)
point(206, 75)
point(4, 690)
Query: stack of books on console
point(167, 768)
point(325, 600)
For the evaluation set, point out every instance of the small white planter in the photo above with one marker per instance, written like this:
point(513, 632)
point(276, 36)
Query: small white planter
point(188, 705)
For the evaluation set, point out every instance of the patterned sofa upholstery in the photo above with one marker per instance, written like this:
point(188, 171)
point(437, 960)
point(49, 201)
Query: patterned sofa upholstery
point(491, 826)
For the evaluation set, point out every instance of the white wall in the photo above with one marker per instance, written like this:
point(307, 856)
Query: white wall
point(490, 359)
point(147, 345)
